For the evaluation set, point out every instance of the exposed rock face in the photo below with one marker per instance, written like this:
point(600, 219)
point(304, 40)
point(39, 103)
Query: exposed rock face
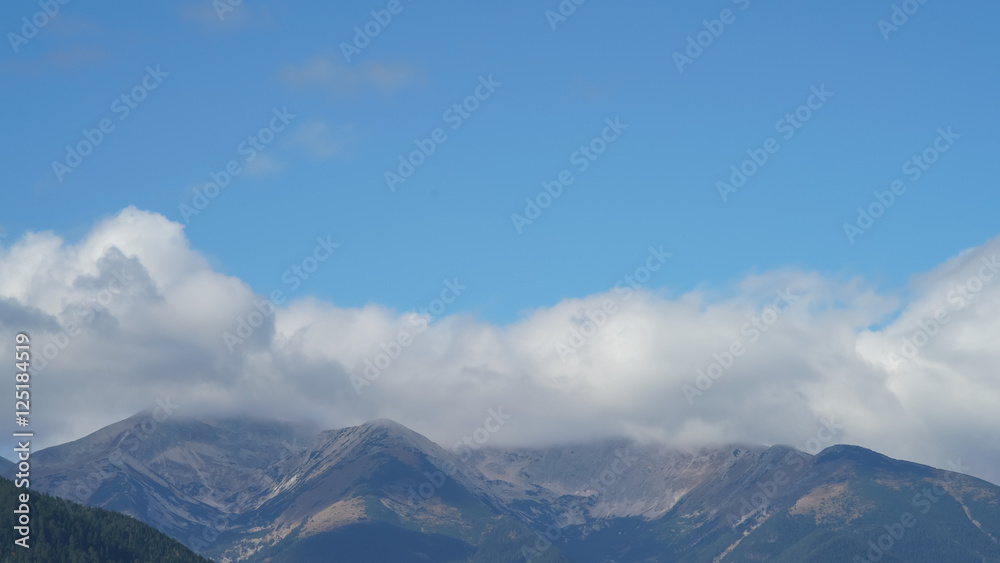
point(240, 489)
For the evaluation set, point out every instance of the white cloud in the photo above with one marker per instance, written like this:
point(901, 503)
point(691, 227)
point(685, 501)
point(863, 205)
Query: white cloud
point(315, 137)
point(263, 165)
point(159, 334)
point(337, 77)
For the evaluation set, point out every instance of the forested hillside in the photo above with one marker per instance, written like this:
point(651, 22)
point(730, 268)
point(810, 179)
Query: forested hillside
point(67, 532)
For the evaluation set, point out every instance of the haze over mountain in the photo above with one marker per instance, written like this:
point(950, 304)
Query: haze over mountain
point(253, 490)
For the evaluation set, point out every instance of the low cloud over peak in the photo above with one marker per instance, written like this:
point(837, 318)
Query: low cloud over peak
point(781, 358)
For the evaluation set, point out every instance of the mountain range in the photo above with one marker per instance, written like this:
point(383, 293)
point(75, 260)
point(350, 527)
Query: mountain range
point(239, 489)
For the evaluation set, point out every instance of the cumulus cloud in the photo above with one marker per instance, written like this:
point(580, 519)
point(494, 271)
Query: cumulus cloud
point(131, 314)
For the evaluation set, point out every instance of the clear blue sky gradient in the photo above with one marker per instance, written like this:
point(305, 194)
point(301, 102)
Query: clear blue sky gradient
point(654, 185)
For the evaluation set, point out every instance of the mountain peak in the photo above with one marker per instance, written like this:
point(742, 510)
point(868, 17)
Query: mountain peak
point(851, 453)
point(377, 435)
point(387, 424)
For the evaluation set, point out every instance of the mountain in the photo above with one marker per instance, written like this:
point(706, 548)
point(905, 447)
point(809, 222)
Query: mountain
point(183, 476)
point(379, 492)
point(779, 505)
point(64, 532)
point(261, 491)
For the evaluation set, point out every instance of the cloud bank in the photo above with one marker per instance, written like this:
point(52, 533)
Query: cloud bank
point(131, 314)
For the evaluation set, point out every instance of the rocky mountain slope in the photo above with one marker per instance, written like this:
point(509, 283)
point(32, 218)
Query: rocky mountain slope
point(246, 490)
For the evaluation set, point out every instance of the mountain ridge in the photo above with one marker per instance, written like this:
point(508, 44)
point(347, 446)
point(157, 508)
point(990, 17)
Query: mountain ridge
point(259, 490)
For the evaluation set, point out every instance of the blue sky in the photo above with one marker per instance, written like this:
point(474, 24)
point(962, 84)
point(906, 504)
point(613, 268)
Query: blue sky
point(656, 184)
